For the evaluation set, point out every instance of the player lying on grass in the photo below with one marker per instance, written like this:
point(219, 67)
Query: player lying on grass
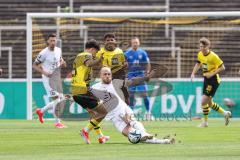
point(118, 111)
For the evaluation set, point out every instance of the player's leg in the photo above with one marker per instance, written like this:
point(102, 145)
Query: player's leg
point(97, 113)
point(218, 108)
point(142, 89)
point(205, 108)
point(205, 100)
point(131, 96)
point(125, 129)
point(54, 95)
point(127, 117)
point(215, 106)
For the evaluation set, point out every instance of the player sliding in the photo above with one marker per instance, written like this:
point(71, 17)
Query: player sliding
point(211, 65)
point(118, 111)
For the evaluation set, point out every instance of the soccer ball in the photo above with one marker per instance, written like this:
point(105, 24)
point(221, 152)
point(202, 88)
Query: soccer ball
point(134, 136)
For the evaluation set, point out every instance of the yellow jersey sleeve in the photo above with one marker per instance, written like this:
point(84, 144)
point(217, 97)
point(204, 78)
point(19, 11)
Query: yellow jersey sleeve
point(217, 61)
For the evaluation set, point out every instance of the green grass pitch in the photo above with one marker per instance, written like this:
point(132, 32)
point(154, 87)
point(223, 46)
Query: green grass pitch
point(30, 140)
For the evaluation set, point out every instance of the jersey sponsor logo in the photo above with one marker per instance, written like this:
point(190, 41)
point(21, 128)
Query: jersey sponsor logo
point(140, 56)
point(114, 61)
point(204, 67)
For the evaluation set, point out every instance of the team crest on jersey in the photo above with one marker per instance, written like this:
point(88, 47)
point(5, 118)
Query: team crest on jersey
point(140, 56)
point(114, 61)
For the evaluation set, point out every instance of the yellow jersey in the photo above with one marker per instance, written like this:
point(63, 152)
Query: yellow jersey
point(113, 59)
point(81, 74)
point(210, 62)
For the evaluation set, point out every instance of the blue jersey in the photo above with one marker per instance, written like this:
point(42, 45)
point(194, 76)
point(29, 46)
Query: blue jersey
point(137, 61)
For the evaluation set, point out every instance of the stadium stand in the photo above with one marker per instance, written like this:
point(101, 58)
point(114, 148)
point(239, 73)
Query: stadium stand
point(151, 35)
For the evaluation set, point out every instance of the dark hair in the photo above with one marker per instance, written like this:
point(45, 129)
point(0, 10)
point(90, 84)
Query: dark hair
point(109, 35)
point(52, 35)
point(205, 41)
point(92, 43)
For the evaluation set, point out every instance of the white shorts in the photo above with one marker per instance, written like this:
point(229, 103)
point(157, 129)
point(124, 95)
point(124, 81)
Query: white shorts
point(116, 116)
point(49, 90)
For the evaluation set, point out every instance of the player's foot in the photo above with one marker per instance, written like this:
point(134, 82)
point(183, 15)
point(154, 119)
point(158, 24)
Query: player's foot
point(40, 115)
point(227, 116)
point(103, 139)
point(160, 141)
point(85, 136)
point(60, 125)
point(146, 136)
point(203, 125)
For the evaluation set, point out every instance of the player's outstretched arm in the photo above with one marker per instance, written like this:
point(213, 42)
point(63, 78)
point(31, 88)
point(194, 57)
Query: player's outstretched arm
point(93, 62)
point(138, 80)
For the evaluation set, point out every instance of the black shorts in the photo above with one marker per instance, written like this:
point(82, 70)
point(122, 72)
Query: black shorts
point(87, 101)
point(210, 86)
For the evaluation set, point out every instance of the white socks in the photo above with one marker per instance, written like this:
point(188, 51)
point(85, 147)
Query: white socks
point(52, 105)
point(137, 125)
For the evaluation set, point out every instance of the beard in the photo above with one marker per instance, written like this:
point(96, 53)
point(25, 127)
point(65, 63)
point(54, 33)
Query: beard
point(110, 46)
point(107, 81)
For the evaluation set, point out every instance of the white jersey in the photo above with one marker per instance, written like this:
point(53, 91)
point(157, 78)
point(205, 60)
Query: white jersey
point(114, 105)
point(50, 60)
point(111, 100)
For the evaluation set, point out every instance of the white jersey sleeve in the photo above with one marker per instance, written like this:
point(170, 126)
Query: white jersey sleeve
point(40, 57)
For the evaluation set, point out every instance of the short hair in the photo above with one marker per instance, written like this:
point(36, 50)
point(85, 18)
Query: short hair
point(52, 35)
point(205, 41)
point(109, 35)
point(92, 43)
point(135, 38)
point(105, 68)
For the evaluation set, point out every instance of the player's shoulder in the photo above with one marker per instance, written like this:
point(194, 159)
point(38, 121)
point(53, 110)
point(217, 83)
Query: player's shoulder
point(58, 49)
point(102, 50)
point(200, 54)
point(213, 53)
point(44, 51)
point(97, 85)
point(142, 51)
point(128, 51)
point(82, 56)
point(118, 50)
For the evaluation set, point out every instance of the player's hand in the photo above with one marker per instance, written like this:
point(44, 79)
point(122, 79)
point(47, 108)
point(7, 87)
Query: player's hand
point(192, 77)
point(47, 74)
point(151, 74)
point(63, 63)
point(101, 57)
point(1, 72)
point(208, 74)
